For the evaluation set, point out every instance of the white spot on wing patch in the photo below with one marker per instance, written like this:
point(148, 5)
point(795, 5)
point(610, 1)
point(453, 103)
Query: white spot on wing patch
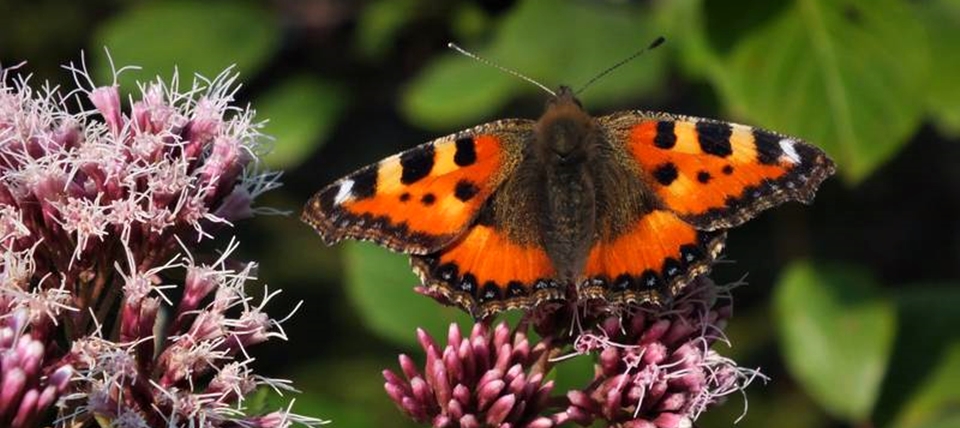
point(343, 192)
point(787, 145)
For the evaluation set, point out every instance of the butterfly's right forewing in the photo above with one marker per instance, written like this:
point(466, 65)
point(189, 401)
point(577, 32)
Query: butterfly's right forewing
point(420, 200)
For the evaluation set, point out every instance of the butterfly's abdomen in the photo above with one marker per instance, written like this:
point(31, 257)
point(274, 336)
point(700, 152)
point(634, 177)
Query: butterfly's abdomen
point(569, 218)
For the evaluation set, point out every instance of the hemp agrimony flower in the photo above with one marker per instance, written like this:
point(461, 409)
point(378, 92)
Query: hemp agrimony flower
point(109, 312)
point(654, 367)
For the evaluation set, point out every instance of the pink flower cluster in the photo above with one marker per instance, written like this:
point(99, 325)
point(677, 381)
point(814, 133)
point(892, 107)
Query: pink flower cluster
point(26, 391)
point(655, 367)
point(105, 314)
point(481, 380)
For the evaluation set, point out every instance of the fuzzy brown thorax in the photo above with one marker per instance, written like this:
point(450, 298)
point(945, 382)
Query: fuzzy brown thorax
point(565, 142)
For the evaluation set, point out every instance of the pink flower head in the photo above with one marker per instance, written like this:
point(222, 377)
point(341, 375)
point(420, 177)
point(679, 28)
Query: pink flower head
point(492, 378)
point(29, 385)
point(656, 368)
point(99, 213)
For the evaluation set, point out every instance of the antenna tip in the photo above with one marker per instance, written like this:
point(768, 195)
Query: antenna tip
point(659, 41)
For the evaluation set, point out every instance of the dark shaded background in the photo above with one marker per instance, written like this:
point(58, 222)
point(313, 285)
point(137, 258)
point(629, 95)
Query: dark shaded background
point(346, 83)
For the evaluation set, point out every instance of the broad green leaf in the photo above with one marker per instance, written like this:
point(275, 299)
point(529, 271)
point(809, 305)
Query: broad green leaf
point(378, 23)
point(455, 90)
point(380, 283)
point(470, 22)
point(847, 76)
point(836, 336)
point(301, 112)
point(928, 322)
point(685, 25)
point(553, 41)
point(937, 402)
point(195, 37)
point(941, 19)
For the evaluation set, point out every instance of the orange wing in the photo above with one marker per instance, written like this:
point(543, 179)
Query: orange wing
point(717, 175)
point(650, 261)
point(420, 200)
point(485, 272)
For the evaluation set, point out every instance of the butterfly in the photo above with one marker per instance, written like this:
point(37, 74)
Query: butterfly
point(628, 207)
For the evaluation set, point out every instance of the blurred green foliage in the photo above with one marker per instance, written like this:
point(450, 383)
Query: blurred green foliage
point(838, 341)
point(865, 334)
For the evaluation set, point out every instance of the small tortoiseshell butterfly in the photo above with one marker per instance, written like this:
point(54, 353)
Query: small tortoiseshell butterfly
point(628, 207)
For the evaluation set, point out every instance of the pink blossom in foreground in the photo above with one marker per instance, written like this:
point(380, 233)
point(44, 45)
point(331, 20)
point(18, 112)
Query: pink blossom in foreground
point(657, 368)
point(491, 378)
point(109, 312)
point(654, 367)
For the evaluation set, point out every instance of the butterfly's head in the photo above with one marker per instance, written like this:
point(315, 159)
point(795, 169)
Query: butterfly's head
point(564, 95)
point(565, 131)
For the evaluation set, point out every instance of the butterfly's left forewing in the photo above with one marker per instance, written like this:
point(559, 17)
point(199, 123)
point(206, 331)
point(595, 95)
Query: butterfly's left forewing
point(421, 200)
point(698, 178)
point(713, 174)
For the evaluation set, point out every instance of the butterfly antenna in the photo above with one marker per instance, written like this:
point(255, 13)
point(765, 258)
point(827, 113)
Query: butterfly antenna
point(654, 44)
point(483, 60)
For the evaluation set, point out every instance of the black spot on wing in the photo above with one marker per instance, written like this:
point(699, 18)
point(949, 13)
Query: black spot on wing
point(714, 138)
point(447, 272)
point(364, 183)
point(704, 177)
point(465, 190)
point(466, 153)
point(623, 282)
point(665, 138)
point(650, 280)
point(490, 292)
point(516, 289)
point(768, 147)
point(428, 199)
point(690, 253)
point(665, 173)
point(727, 169)
point(468, 284)
point(671, 268)
point(416, 164)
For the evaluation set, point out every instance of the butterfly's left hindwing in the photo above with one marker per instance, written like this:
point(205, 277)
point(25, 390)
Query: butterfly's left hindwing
point(420, 200)
point(651, 260)
point(713, 174)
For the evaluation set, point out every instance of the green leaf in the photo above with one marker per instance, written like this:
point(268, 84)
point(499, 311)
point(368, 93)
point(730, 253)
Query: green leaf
point(848, 76)
point(937, 402)
point(195, 37)
point(941, 19)
point(378, 23)
point(446, 93)
point(836, 336)
point(552, 41)
point(380, 283)
point(928, 320)
point(301, 112)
